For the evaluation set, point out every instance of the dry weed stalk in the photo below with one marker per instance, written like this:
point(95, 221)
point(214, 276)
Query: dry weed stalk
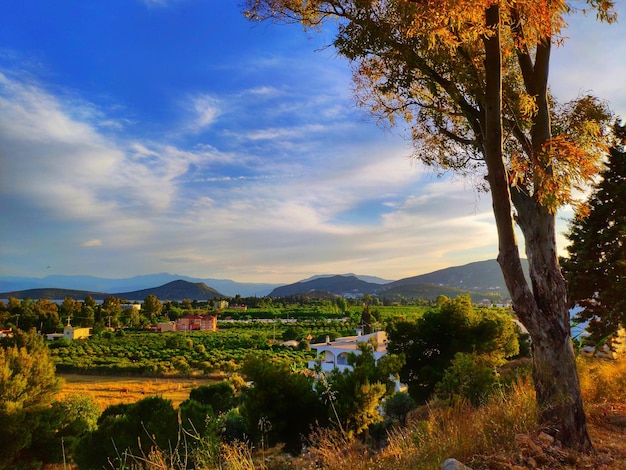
point(462, 430)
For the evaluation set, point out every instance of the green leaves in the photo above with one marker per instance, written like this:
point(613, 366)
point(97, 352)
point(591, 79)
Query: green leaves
point(596, 268)
point(431, 343)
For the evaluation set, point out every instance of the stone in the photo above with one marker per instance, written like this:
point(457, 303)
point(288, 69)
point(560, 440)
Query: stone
point(453, 464)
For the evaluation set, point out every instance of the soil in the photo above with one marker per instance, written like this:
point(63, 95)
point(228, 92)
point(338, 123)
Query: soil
point(607, 428)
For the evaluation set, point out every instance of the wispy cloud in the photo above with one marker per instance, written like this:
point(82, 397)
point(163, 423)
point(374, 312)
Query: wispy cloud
point(206, 109)
point(91, 243)
point(158, 3)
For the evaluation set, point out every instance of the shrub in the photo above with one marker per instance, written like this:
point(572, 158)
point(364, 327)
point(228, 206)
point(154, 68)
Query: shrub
point(220, 396)
point(602, 380)
point(398, 406)
point(471, 377)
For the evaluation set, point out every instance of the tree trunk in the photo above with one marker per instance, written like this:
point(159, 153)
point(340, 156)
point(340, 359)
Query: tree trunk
point(547, 319)
point(543, 309)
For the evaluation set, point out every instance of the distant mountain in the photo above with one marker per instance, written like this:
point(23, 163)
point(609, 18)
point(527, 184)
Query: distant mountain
point(52, 293)
point(98, 284)
point(480, 275)
point(371, 279)
point(478, 278)
point(175, 290)
point(339, 285)
point(482, 279)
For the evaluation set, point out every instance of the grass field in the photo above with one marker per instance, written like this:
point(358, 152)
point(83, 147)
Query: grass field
point(108, 390)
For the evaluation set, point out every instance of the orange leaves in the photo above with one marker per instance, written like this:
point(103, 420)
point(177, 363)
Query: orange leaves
point(423, 61)
point(561, 167)
point(449, 23)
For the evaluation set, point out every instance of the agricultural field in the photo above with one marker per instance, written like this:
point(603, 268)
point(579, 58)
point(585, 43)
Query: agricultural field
point(193, 354)
point(111, 390)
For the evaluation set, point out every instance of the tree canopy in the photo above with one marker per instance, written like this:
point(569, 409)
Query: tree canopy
point(596, 267)
point(431, 342)
point(27, 387)
point(355, 394)
point(280, 405)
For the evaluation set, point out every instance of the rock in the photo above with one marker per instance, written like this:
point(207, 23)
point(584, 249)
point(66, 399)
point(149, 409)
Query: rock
point(524, 440)
point(545, 439)
point(453, 464)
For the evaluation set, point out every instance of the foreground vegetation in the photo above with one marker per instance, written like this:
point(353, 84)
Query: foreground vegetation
point(261, 407)
point(501, 433)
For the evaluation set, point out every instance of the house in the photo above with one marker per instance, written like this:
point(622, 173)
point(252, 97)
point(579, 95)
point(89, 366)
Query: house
point(166, 326)
point(197, 323)
point(8, 333)
point(54, 336)
point(220, 304)
point(334, 354)
point(615, 350)
point(135, 306)
point(71, 333)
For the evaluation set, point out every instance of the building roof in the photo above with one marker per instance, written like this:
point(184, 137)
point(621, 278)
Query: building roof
point(351, 343)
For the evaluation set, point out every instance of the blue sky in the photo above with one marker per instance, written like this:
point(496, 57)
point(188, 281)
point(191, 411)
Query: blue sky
point(139, 137)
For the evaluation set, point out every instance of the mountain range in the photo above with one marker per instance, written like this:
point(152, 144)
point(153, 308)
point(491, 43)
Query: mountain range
point(99, 285)
point(479, 279)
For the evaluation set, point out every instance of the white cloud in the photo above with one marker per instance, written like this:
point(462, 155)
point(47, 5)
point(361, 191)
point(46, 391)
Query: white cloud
point(65, 167)
point(296, 132)
point(206, 110)
point(90, 243)
point(157, 3)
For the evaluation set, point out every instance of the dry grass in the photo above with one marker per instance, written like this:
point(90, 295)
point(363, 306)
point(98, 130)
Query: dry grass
point(602, 380)
point(107, 390)
point(462, 431)
point(503, 434)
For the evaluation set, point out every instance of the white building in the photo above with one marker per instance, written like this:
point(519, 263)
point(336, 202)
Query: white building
point(335, 353)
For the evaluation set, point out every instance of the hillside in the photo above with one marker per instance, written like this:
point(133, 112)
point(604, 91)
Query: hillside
point(52, 293)
point(344, 286)
point(482, 279)
point(478, 276)
point(131, 284)
point(175, 290)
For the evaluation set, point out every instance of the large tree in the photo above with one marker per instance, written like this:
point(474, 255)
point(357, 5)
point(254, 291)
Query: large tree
point(27, 387)
point(280, 405)
point(471, 79)
point(596, 267)
point(431, 342)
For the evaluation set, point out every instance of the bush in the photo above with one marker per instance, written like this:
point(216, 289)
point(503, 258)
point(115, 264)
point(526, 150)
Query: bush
point(602, 380)
point(220, 396)
point(135, 428)
point(398, 406)
point(471, 377)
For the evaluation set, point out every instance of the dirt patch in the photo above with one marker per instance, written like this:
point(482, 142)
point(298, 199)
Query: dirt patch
point(607, 429)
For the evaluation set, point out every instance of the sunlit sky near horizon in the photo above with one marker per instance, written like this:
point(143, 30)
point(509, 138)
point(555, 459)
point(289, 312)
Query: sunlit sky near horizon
point(140, 137)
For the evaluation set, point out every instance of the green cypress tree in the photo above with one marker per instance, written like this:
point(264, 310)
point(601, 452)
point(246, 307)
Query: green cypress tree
point(596, 268)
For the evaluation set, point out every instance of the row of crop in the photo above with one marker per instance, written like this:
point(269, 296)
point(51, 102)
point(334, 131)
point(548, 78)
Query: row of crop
point(168, 353)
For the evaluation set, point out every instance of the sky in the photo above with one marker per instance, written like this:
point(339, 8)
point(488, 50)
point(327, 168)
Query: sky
point(150, 136)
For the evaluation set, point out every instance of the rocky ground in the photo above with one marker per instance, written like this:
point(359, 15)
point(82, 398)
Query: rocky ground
point(607, 428)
